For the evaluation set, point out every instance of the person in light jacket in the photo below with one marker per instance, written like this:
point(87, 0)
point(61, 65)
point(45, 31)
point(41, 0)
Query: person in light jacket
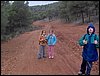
point(51, 38)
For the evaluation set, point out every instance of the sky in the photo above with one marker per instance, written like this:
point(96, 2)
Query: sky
point(34, 3)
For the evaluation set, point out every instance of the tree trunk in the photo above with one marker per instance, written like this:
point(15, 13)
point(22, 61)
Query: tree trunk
point(96, 12)
point(89, 18)
point(87, 14)
point(82, 17)
point(68, 19)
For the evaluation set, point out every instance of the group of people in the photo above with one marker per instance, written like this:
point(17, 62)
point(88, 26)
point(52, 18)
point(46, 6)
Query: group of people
point(89, 42)
point(49, 40)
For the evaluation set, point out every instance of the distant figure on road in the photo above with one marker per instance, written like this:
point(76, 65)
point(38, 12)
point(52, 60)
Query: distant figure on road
point(42, 43)
point(51, 38)
point(90, 43)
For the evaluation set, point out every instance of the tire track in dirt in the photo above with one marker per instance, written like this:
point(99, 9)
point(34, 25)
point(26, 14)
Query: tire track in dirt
point(69, 39)
point(20, 56)
point(68, 57)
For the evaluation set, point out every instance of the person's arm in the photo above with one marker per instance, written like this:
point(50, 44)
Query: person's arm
point(41, 39)
point(97, 38)
point(47, 37)
point(55, 40)
point(82, 42)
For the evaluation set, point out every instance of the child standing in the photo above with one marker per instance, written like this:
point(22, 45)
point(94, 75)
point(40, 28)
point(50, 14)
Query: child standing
point(90, 43)
point(42, 43)
point(51, 42)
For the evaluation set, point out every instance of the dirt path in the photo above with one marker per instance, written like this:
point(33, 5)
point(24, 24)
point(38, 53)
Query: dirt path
point(19, 55)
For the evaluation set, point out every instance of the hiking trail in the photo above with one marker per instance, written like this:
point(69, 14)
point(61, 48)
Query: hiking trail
point(19, 55)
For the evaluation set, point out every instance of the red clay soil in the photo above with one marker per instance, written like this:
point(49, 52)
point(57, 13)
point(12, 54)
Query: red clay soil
point(19, 55)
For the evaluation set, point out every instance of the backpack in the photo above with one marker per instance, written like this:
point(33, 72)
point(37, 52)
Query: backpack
point(86, 34)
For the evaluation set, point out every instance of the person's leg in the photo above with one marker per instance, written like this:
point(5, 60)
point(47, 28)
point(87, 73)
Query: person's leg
point(49, 51)
point(39, 54)
point(83, 66)
point(44, 56)
point(52, 51)
point(41, 51)
point(88, 69)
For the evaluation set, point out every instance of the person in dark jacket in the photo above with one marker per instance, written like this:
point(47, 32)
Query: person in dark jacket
point(90, 43)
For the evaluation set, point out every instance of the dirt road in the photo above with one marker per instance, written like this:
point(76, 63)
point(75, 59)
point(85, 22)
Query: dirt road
point(19, 55)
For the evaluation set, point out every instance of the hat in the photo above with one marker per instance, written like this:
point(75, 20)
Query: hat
point(91, 26)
